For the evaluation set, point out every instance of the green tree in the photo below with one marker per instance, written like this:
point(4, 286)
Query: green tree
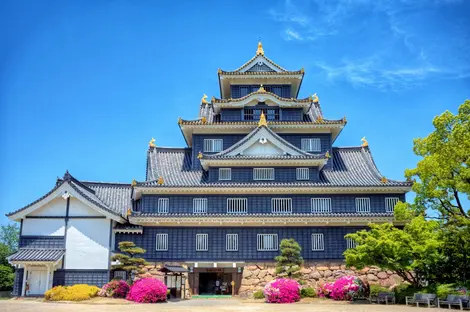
point(442, 176)
point(127, 260)
point(412, 252)
point(289, 261)
point(9, 235)
point(7, 277)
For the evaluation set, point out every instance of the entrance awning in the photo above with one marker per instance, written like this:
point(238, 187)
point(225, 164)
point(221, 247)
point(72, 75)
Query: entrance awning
point(39, 255)
point(173, 269)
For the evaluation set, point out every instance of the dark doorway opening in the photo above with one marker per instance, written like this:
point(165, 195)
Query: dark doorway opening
point(207, 283)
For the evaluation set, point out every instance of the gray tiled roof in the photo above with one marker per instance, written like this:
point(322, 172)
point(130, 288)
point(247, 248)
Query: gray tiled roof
point(352, 167)
point(258, 215)
point(111, 197)
point(37, 254)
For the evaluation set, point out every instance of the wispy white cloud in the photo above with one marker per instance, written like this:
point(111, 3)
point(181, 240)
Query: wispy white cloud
point(290, 34)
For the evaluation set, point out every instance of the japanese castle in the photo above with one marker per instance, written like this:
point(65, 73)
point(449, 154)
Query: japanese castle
point(259, 166)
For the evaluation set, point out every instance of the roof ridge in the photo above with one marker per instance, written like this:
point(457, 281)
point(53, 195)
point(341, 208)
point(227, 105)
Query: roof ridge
point(166, 148)
point(349, 147)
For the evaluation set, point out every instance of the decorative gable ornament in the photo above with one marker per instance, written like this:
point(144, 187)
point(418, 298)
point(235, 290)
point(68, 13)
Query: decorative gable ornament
point(160, 181)
point(66, 195)
point(152, 143)
point(262, 120)
point(260, 50)
point(364, 142)
point(263, 140)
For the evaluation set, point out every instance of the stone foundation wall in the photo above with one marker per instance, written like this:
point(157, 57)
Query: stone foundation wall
point(256, 275)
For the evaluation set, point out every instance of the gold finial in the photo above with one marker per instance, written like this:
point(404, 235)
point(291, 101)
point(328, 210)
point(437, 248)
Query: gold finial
point(199, 155)
point(204, 120)
point(302, 70)
point(319, 118)
point(327, 154)
point(152, 143)
point(262, 120)
point(213, 99)
point(364, 142)
point(129, 211)
point(160, 181)
point(261, 89)
point(203, 99)
point(315, 98)
point(180, 121)
point(219, 71)
point(344, 119)
point(384, 180)
point(134, 182)
point(260, 50)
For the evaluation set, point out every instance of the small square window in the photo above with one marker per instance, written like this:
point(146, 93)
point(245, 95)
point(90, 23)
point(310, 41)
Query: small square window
point(162, 242)
point(303, 174)
point(225, 174)
point(202, 242)
point(231, 242)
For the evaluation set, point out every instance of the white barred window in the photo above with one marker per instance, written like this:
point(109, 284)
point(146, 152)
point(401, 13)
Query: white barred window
point(321, 205)
point(213, 145)
point(390, 203)
point(162, 242)
point(237, 205)
point(311, 145)
point(303, 173)
point(267, 242)
point(202, 242)
point(318, 243)
point(350, 243)
point(200, 205)
point(263, 173)
point(163, 204)
point(281, 205)
point(225, 173)
point(231, 242)
point(363, 204)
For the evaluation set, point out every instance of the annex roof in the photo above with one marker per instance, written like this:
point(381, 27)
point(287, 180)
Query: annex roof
point(36, 255)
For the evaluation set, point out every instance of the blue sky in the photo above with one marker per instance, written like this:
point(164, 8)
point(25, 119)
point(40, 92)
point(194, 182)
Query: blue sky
point(84, 85)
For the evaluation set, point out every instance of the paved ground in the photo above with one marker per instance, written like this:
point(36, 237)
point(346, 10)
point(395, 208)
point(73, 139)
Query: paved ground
point(217, 305)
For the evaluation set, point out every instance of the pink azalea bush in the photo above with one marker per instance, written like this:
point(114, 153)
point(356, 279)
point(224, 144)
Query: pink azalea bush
point(147, 290)
point(282, 290)
point(348, 288)
point(115, 289)
point(324, 290)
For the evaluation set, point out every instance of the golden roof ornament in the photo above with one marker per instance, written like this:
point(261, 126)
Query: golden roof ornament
point(364, 142)
point(344, 119)
point(204, 120)
point(302, 70)
point(203, 99)
point(319, 118)
point(327, 154)
point(160, 181)
point(213, 99)
point(262, 120)
point(152, 143)
point(129, 211)
point(315, 98)
point(261, 89)
point(260, 50)
point(134, 182)
point(219, 71)
point(384, 180)
point(199, 155)
point(180, 121)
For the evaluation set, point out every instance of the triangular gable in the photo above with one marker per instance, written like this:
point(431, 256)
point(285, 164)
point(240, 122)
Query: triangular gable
point(64, 189)
point(260, 67)
point(262, 62)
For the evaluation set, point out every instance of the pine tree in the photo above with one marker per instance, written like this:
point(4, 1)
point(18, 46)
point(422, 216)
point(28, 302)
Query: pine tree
point(127, 260)
point(289, 261)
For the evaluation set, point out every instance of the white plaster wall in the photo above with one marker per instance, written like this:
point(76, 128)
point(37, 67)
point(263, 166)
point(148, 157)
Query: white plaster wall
point(87, 244)
point(78, 208)
point(263, 149)
point(55, 207)
point(43, 227)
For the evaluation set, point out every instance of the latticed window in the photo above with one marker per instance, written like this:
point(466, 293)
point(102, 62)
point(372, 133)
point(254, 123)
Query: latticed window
point(267, 242)
point(363, 204)
point(263, 173)
point(213, 145)
point(281, 205)
point(321, 205)
point(350, 243)
point(231, 242)
point(311, 145)
point(225, 174)
point(318, 243)
point(390, 203)
point(202, 242)
point(161, 242)
point(200, 205)
point(163, 205)
point(237, 205)
point(303, 174)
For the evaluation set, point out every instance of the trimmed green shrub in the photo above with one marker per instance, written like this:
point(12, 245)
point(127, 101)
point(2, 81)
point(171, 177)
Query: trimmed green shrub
point(403, 290)
point(376, 289)
point(258, 294)
point(307, 292)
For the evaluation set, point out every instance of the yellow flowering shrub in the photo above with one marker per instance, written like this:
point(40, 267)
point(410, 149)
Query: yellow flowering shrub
point(77, 292)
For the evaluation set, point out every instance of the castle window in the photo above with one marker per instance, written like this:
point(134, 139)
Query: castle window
point(321, 205)
point(202, 242)
point(350, 243)
point(237, 205)
point(267, 242)
point(163, 204)
point(363, 204)
point(231, 242)
point(390, 203)
point(213, 145)
point(303, 173)
point(225, 174)
point(281, 205)
point(318, 243)
point(263, 174)
point(311, 145)
point(200, 205)
point(161, 242)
